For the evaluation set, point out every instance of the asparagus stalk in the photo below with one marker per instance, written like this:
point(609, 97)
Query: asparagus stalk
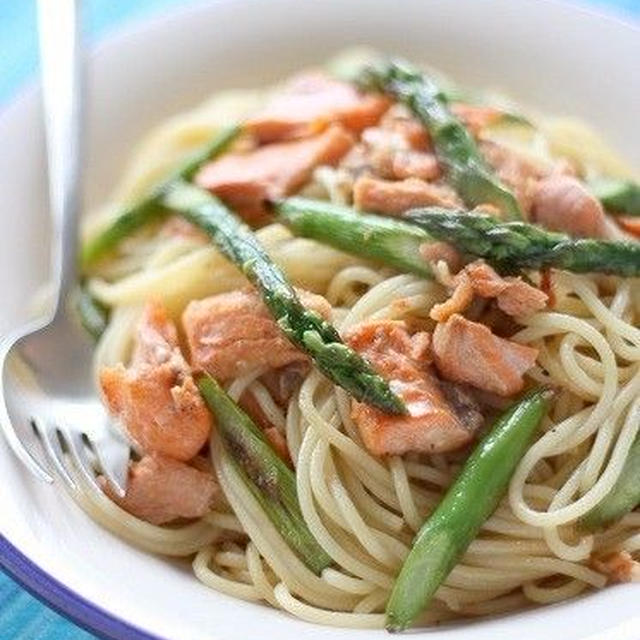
point(513, 246)
point(619, 197)
point(93, 315)
point(623, 497)
point(464, 166)
point(508, 246)
point(386, 240)
point(270, 480)
point(471, 499)
point(349, 66)
point(148, 208)
point(303, 327)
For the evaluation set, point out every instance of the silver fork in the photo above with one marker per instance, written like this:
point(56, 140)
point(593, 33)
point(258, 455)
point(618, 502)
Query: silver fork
point(49, 412)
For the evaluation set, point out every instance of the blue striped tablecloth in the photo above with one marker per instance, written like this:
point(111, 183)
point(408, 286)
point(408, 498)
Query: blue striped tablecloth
point(21, 616)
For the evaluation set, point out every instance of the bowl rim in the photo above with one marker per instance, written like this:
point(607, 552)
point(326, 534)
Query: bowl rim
point(18, 566)
point(63, 600)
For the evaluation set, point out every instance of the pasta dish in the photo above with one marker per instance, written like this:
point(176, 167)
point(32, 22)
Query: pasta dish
point(373, 338)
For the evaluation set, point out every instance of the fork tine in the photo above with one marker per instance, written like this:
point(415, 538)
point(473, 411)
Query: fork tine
point(24, 455)
point(48, 434)
point(78, 450)
point(7, 426)
point(113, 456)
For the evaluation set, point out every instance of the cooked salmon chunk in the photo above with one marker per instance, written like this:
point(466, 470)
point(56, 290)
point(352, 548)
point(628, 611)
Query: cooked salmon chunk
point(155, 398)
point(396, 197)
point(517, 171)
point(475, 117)
point(233, 333)
point(618, 566)
point(439, 419)
point(630, 224)
point(461, 297)
point(468, 352)
point(399, 148)
point(408, 130)
point(311, 101)
point(160, 489)
point(403, 164)
point(563, 203)
point(245, 180)
point(435, 252)
point(513, 295)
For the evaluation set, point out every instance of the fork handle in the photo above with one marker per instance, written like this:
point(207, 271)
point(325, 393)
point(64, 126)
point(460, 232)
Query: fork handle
point(59, 34)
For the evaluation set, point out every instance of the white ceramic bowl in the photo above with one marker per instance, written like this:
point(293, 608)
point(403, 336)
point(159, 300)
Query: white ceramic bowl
point(554, 56)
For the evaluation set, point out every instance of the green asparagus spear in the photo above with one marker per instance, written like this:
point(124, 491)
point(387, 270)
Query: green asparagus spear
point(302, 326)
point(391, 242)
point(148, 208)
point(619, 197)
point(623, 497)
point(471, 499)
point(464, 166)
point(510, 247)
point(348, 66)
point(514, 246)
point(93, 315)
point(270, 480)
